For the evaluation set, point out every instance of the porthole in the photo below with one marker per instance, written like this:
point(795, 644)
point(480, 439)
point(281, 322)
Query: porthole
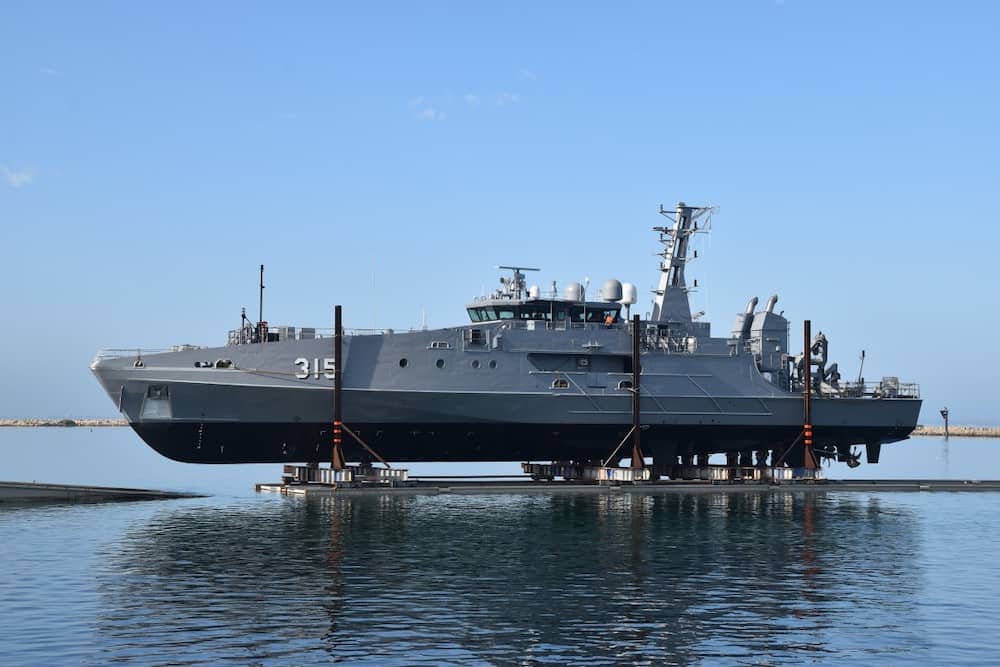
point(475, 363)
point(493, 363)
point(439, 363)
point(402, 363)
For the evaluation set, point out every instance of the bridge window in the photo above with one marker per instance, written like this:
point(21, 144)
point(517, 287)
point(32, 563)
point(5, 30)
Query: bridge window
point(581, 314)
point(558, 311)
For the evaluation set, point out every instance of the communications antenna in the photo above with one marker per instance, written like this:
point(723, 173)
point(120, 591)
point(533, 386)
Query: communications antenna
point(671, 296)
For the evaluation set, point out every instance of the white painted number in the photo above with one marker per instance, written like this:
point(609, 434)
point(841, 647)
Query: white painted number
point(305, 372)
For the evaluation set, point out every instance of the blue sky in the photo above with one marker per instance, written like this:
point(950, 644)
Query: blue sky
point(152, 156)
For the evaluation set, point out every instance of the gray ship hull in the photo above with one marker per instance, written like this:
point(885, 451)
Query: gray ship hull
point(457, 402)
point(532, 378)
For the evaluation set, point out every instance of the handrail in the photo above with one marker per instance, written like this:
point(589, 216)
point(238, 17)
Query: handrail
point(120, 352)
point(558, 325)
point(880, 390)
point(245, 336)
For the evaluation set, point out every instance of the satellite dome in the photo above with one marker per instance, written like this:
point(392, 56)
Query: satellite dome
point(574, 292)
point(629, 295)
point(612, 290)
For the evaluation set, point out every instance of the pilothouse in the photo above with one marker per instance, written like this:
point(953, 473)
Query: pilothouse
point(514, 301)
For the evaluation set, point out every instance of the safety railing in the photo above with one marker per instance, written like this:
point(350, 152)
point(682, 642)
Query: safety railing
point(882, 389)
point(561, 325)
point(275, 334)
point(121, 352)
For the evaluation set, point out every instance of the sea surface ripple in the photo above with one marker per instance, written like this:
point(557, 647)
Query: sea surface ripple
point(757, 577)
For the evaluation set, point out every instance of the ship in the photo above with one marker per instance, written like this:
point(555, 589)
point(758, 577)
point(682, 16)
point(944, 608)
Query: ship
point(533, 375)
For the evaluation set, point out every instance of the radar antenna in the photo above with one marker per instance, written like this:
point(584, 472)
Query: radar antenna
point(516, 287)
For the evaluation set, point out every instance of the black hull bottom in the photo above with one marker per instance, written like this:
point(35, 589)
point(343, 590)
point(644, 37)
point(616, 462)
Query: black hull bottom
point(245, 442)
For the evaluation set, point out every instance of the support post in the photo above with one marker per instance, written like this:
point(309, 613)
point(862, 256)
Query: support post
point(637, 457)
point(807, 432)
point(337, 456)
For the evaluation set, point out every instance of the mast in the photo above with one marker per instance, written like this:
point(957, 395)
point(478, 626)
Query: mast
point(515, 287)
point(671, 302)
point(260, 311)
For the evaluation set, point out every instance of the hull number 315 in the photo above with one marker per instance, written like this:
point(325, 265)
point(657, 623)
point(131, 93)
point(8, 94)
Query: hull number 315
point(312, 368)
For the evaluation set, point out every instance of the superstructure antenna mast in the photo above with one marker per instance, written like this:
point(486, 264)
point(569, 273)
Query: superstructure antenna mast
point(260, 311)
point(515, 287)
point(671, 303)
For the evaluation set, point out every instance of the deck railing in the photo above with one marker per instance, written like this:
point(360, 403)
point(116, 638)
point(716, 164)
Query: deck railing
point(280, 333)
point(884, 389)
point(120, 352)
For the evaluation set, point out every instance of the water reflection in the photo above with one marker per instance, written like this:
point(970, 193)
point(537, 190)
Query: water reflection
point(659, 578)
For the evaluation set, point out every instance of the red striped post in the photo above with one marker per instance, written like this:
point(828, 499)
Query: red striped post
point(807, 429)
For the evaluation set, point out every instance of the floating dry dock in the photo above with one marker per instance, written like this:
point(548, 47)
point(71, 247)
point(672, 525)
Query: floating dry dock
point(469, 487)
point(524, 484)
point(33, 492)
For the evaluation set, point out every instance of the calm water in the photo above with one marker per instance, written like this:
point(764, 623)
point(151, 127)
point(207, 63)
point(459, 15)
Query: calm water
point(749, 578)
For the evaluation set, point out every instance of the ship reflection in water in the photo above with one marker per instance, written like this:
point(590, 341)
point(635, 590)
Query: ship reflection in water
point(740, 577)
